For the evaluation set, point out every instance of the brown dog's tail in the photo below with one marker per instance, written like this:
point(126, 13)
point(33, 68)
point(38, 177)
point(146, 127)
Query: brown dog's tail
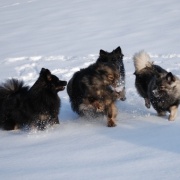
point(141, 60)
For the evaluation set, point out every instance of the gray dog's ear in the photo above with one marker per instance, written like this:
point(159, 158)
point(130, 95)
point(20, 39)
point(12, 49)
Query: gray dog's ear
point(170, 77)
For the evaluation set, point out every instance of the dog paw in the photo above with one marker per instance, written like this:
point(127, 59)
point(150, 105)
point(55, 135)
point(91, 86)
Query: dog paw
point(148, 106)
point(163, 113)
point(111, 123)
point(147, 103)
point(171, 118)
point(173, 113)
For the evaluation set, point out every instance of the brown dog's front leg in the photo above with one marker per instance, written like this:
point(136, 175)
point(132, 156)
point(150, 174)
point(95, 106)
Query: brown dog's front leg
point(111, 115)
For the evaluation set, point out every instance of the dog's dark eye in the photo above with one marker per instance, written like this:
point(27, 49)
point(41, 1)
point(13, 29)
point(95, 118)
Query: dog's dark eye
point(91, 99)
point(110, 77)
point(161, 88)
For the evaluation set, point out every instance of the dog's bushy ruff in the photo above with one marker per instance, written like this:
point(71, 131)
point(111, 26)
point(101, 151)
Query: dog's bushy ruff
point(157, 86)
point(37, 107)
point(94, 90)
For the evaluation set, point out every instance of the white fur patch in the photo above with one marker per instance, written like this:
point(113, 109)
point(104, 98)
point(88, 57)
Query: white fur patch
point(141, 60)
point(119, 88)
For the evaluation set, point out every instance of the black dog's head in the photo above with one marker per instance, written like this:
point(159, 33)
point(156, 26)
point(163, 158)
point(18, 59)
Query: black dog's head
point(52, 81)
point(114, 57)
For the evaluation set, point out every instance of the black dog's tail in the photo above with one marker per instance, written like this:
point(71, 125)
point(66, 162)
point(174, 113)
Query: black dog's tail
point(11, 93)
point(12, 87)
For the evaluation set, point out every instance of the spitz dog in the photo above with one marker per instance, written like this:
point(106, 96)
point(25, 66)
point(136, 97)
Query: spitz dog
point(115, 58)
point(94, 90)
point(37, 107)
point(157, 86)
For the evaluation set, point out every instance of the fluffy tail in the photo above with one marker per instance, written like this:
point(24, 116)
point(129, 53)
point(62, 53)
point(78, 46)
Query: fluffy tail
point(11, 87)
point(142, 60)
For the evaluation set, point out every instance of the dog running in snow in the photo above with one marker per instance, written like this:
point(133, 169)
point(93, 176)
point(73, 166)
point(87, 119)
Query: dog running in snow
point(157, 86)
point(94, 90)
point(37, 107)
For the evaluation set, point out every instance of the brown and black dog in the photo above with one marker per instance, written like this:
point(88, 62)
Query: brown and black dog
point(94, 90)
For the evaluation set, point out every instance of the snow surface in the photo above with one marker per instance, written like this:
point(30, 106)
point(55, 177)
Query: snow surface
point(65, 36)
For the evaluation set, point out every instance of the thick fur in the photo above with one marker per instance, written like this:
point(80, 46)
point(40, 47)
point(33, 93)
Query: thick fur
point(92, 90)
point(36, 107)
point(116, 58)
point(141, 61)
point(164, 94)
point(157, 86)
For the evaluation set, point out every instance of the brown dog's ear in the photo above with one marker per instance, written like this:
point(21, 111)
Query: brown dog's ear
point(102, 52)
point(170, 77)
point(46, 73)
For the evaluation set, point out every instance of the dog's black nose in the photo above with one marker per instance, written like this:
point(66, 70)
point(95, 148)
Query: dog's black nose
point(64, 83)
point(123, 99)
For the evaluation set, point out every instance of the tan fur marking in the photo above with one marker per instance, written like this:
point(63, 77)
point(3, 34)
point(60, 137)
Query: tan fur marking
point(173, 113)
point(111, 120)
point(16, 127)
point(162, 113)
point(43, 117)
point(110, 77)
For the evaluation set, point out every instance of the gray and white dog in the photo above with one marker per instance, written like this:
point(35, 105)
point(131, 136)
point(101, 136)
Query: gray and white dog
point(157, 86)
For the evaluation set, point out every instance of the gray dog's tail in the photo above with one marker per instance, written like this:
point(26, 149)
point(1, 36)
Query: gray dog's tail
point(141, 60)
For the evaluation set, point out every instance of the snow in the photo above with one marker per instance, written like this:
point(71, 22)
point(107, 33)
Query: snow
point(65, 36)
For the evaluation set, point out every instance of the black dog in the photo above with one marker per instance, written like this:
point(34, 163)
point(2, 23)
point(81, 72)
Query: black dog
point(37, 107)
point(157, 86)
point(92, 90)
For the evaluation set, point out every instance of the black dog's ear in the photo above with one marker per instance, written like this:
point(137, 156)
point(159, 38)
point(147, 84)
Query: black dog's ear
point(46, 73)
point(170, 77)
point(102, 52)
point(118, 50)
point(42, 70)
